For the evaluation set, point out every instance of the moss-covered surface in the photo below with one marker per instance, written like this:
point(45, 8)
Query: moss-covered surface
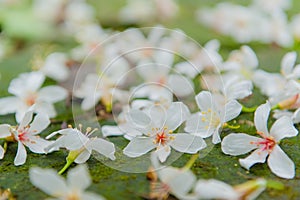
point(114, 184)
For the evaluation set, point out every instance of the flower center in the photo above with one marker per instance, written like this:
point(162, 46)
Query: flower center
point(30, 100)
point(267, 144)
point(211, 117)
point(161, 138)
point(22, 135)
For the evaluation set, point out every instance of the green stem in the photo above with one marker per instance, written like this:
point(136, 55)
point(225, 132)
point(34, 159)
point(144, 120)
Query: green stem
point(192, 160)
point(231, 126)
point(275, 107)
point(67, 165)
point(5, 147)
point(249, 110)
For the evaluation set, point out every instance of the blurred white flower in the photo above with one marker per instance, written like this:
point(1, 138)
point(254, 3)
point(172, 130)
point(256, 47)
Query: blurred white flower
point(55, 67)
point(214, 189)
point(29, 96)
point(158, 124)
point(143, 11)
point(241, 143)
point(78, 180)
point(295, 28)
point(25, 134)
point(213, 116)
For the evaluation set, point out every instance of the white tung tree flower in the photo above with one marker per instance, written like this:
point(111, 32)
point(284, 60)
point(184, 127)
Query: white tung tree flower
point(241, 143)
point(158, 124)
point(82, 143)
point(78, 180)
point(29, 96)
point(214, 189)
point(25, 134)
point(212, 117)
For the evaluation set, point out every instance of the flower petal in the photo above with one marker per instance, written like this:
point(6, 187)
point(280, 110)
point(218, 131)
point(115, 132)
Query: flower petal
point(103, 147)
point(52, 94)
point(37, 144)
point(257, 156)
point(4, 131)
point(26, 119)
point(40, 122)
point(91, 196)
point(280, 164)
point(1, 152)
point(261, 116)
point(179, 181)
point(181, 86)
point(26, 82)
point(139, 146)
point(176, 115)
point(199, 125)
point(187, 143)
point(283, 127)
point(55, 184)
point(44, 107)
point(111, 131)
point(138, 118)
point(9, 105)
point(239, 90)
point(239, 143)
point(204, 100)
point(20, 158)
point(83, 156)
point(214, 189)
point(79, 178)
point(288, 62)
point(163, 152)
point(232, 110)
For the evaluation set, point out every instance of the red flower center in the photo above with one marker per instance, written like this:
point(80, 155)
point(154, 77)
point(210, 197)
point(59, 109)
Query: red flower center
point(161, 138)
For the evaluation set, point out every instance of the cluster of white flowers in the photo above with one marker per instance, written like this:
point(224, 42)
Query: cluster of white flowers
point(264, 21)
point(166, 93)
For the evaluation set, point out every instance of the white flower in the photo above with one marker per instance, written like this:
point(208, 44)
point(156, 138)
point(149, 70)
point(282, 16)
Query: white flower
point(214, 189)
point(279, 163)
point(76, 141)
point(28, 95)
point(212, 117)
point(26, 135)
point(171, 180)
point(157, 125)
point(295, 29)
point(55, 67)
point(74, 187)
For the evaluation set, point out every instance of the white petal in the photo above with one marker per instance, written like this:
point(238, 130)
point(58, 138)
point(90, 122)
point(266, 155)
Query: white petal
point(288, 62)
point(181, 86)
point(111, 131)
point(20, 158)
point(9, 105)
point(91, 196)
point(89, 102)
point(1, 152)
point(44, 107)
point(216, 139)
point(37, 144)
point(55, 184)
point(261, 116)
point(176, 115)
point(163, 152)
point(26, 82)
point(26, 119)
point(296, 116)
point(257, 156)
point(103, 147)
point(138, 118)
point(239, 143)
point(232, 110)
point(139, 146)
point(20, 113)
point(79, 178)
point(214, 189)
point(199, 125)
point(280, 164)
point(179, 181)
point(204, 100)
point(40, 122)
point(239, 90)
point(282, 128)
point(158, 115)
point(250, 57)
point(52, 94)
point(83, 157)
point(187, 143)
point(4, 130)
